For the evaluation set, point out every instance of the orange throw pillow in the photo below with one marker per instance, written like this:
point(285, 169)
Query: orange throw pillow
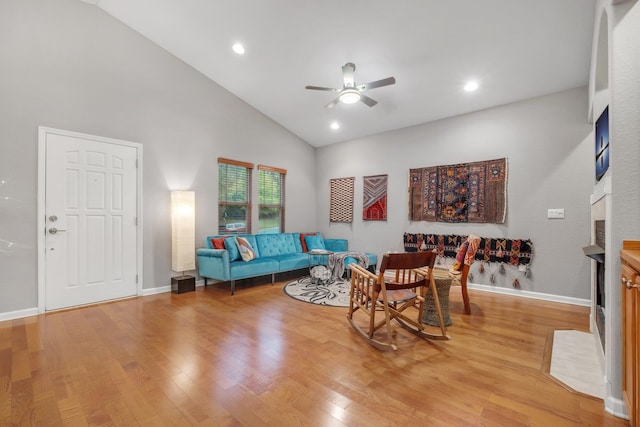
point(217, 243)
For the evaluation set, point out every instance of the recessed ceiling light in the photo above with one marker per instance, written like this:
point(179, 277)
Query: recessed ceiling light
point(471, 86)
point(238, 48)
point(335, 126)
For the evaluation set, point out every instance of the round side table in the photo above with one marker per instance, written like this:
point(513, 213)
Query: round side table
point(320, 274)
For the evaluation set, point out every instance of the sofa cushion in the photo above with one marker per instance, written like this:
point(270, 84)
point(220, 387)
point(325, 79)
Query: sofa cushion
point(275, 244)
point(245, 249)
point(314, 242)
point(231, 246)
point(253, 268)
point(288, 262)
point(373, 261)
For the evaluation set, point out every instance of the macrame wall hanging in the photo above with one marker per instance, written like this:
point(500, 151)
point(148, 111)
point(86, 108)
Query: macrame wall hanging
point(466, 192)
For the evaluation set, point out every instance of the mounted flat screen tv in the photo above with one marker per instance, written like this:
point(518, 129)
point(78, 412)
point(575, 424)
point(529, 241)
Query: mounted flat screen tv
point(602, 144)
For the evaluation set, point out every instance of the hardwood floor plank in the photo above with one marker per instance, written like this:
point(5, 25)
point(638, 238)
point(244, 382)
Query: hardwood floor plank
point(260, 358)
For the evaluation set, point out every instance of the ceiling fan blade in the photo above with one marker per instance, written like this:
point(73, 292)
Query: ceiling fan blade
point(347, 74)
point(330, 89)
point(370, 102)
point(378, 83)
point(332, 103)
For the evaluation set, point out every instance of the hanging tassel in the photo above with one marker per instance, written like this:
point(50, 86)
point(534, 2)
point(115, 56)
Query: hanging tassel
point(527, 272)
point(492, 278)
point(481, 268)
point(502, 269)
point(516, 283)
point(470, 276)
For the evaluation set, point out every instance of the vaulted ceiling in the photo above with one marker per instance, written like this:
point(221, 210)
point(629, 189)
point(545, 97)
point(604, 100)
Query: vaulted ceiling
point(514, 50)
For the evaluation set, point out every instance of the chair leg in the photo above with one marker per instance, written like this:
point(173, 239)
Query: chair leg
point(233, 287)
point(436, 301)
point(465, 297)
point(463, 285)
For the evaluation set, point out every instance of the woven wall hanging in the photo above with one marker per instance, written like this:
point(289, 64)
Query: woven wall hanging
point(374, 190)
point(465, 192)
point(341, 200)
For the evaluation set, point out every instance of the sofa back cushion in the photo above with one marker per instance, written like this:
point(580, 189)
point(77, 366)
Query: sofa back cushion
point(272, 244)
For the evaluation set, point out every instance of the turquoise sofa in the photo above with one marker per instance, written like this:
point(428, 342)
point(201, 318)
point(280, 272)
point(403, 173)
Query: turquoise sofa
point(274, 253)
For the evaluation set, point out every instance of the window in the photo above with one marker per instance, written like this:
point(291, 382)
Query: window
point(234, 196)
point(271, 199)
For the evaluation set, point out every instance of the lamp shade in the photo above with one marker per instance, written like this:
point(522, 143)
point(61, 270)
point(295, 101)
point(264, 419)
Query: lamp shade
point(183, 231)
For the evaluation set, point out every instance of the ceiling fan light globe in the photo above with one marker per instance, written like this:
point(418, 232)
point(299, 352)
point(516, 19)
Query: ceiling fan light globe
point(349, 97)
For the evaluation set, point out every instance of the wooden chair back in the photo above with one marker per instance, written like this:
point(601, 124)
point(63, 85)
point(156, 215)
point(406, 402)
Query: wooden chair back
point(410, 270)
point(399, 288)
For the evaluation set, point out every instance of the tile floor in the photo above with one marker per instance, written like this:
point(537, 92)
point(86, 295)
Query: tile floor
point(575, 362)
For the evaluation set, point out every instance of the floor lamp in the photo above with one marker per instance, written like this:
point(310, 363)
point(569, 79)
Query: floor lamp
point(183, 237)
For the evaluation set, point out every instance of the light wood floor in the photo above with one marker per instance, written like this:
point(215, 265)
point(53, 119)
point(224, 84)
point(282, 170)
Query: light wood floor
point(261, 358)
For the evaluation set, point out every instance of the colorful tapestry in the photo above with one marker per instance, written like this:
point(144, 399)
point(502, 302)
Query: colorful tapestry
point(374, 206)
point(510, 251)
point(466, 192)
point(341, 200)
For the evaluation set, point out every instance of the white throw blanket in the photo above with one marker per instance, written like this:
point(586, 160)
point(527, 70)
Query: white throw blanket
point(335, 262)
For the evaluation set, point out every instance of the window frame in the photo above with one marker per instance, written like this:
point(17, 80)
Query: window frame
point(281, 205)
point(246, 204)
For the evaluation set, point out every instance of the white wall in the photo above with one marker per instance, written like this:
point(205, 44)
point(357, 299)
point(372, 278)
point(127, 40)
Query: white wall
point(623, 98)
point(550, 150)
point(66, 64)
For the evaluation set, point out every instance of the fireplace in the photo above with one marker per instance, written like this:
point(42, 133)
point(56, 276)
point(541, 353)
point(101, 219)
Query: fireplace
point(597, 252)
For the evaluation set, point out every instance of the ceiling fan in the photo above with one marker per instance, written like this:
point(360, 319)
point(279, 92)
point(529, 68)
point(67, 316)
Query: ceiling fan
point(350, 93)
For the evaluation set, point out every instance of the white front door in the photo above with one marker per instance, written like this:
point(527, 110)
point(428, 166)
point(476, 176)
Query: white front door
point(90, 216)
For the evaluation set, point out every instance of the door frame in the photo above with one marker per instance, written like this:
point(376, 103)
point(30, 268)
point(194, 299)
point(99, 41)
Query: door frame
point(43, 131)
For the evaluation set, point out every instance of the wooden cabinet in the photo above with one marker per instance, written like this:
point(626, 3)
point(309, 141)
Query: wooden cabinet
point(630, 282)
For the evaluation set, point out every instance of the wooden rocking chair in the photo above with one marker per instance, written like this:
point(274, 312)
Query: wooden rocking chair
point(399, 288)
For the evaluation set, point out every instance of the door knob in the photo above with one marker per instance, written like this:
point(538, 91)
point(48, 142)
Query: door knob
point(54, 230)
point(53, 218)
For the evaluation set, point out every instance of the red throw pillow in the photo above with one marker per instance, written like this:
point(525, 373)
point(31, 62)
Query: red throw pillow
point(302, 241)
point(217, 243)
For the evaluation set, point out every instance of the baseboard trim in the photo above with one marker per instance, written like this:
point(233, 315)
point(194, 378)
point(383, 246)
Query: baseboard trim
point(530, 294)
point(11, 315)
point(616, 407)
point(163, 289)
point(158, 290)
point(19, 314)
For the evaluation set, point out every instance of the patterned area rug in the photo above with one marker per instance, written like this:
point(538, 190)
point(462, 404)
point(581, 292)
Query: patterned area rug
point(333, 294)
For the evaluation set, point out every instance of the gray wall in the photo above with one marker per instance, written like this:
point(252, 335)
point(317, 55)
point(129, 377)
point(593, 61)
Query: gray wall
point(549, 146)
point(68, 65)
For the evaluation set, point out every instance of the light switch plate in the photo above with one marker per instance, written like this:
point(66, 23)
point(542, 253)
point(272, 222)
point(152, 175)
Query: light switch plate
point(555, 213)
